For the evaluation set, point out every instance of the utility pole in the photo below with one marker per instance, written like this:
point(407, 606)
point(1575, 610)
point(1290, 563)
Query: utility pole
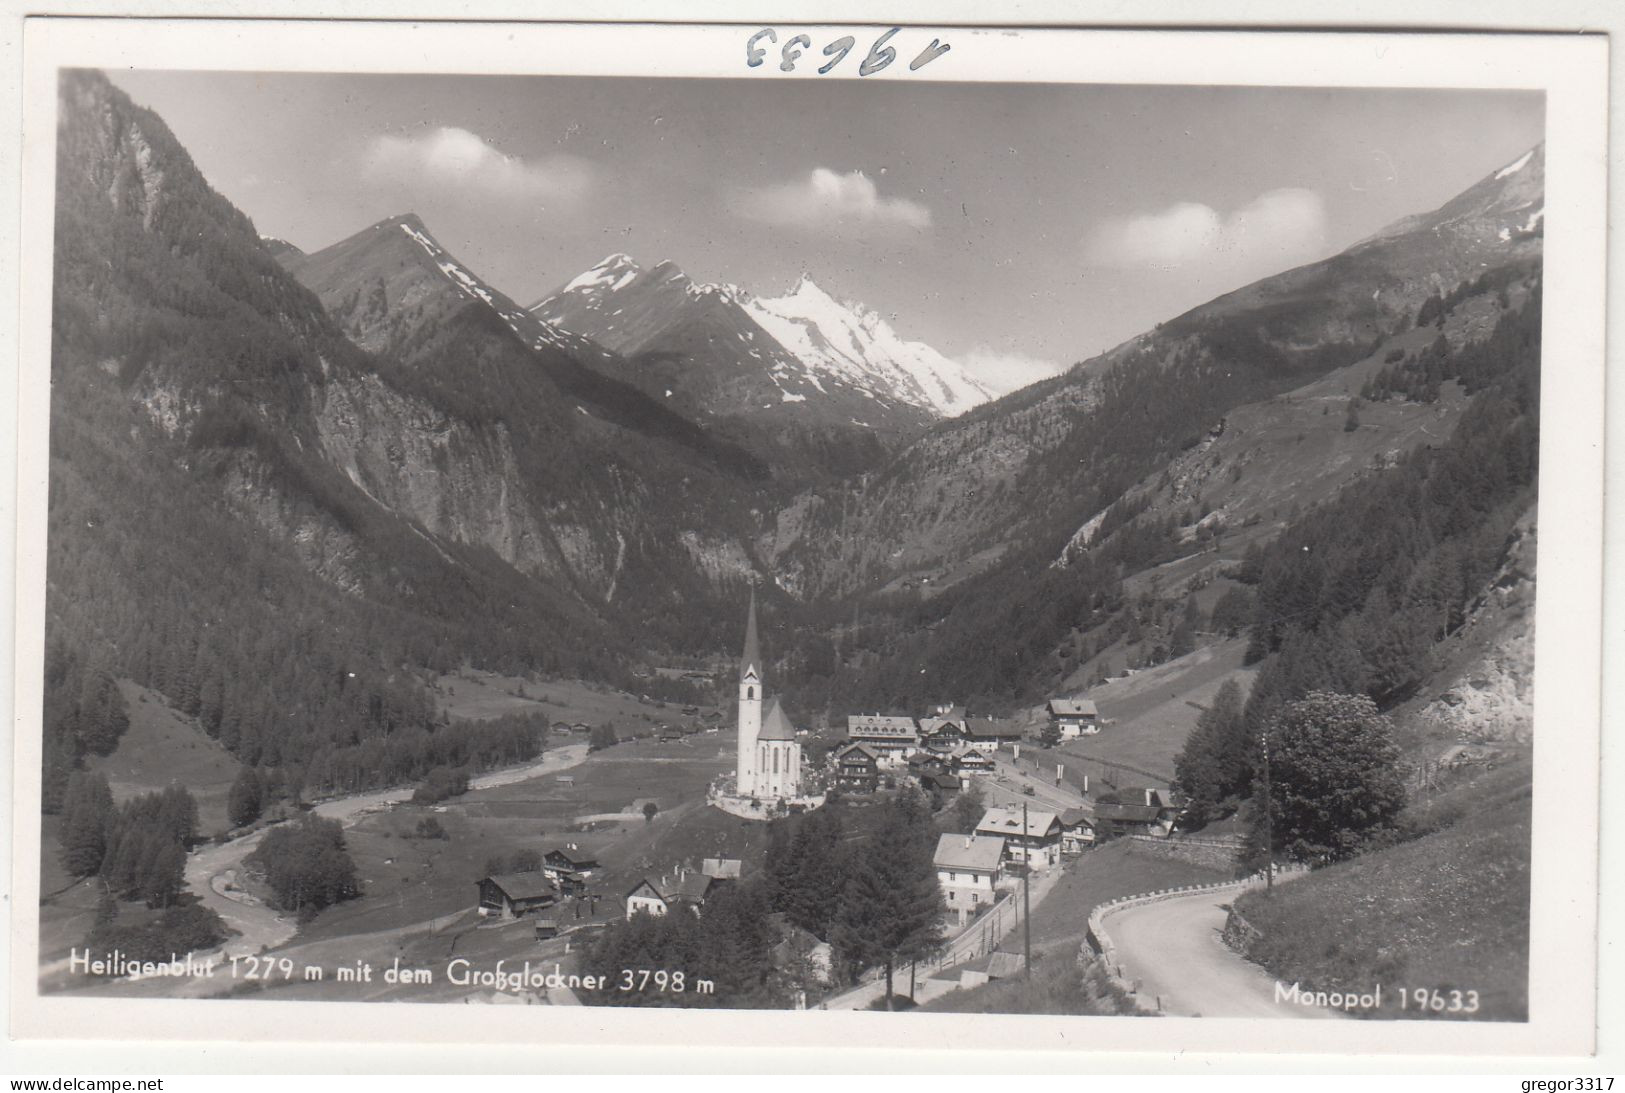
point(1026, 898)
point(1269, 819)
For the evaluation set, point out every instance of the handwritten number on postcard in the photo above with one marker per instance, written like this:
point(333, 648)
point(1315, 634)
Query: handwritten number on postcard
point(880, 54)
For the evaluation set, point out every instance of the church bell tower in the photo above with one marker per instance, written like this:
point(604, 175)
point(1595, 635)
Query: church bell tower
point(750, 704)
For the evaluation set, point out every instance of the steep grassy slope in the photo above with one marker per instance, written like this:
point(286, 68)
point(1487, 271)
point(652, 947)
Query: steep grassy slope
point(1448, 911)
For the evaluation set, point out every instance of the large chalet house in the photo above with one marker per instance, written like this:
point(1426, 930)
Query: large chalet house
point(1074, 717)
point(511, 895)
point(892, 739)
point(985, 734)
point(1035, 841)
point(944, 728)
point(857, 769)
point(968, 871)
point(1136, 811)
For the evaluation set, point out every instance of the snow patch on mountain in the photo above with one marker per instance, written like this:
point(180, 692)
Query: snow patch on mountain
point(1516, 165)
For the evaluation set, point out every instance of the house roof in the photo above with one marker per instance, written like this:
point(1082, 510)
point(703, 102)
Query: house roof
point(1075, 817)
point(1073, 707)
point(722, 868)
point(850, 748)
point(517, 886)
point(881, 725)
point(691, 886)
point(646, 887)
point(1003, 965)
point(556, 857)
point(1133, 813)
point(776, 726)
point(980, 852)
point(941, 781)
point(1005, 820)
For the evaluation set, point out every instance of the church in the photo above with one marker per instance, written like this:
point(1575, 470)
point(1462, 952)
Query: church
point(769, 756)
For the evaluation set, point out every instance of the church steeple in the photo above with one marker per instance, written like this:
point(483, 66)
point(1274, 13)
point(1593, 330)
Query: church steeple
point(750, 662)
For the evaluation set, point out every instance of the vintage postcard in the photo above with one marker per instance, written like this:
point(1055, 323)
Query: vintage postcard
point(803, 534)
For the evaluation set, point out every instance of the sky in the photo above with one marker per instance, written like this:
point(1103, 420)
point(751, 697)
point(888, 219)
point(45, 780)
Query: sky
point(1016, 228)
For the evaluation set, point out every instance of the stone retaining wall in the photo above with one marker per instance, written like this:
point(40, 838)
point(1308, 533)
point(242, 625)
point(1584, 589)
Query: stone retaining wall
point(1208, 853)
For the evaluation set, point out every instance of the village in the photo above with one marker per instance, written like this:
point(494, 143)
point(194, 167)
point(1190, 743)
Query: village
point(1031, 816)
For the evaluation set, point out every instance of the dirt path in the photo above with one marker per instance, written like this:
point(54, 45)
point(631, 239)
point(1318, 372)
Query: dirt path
point(1173, 948)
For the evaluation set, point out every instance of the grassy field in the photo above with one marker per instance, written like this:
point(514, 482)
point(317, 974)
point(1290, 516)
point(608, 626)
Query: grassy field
point(1114, 870)
point(1447, 911)
point(162, 747)
point(406, 879)
point(1151, 715)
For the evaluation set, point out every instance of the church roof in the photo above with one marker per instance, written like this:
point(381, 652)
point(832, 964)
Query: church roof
point(751, 660)
point(776, 726)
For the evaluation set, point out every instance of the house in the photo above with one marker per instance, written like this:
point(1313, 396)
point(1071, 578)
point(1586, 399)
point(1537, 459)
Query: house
point(1136, 811)
point(985, 734)
point(941, 782)
point(1074, 717)
point(857, 768)
point(510, 895)
point(924, 762)
point(1077, 833)
point(561, 728)
point(546, 927)
point(687, 889)
point(946, 723)
point(892, 739)
point(968, 871)
point(970, 761)
point(567, 868)
point(1037, 841)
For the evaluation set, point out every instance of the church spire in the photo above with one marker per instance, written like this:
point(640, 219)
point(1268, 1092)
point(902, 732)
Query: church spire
point(751, 662)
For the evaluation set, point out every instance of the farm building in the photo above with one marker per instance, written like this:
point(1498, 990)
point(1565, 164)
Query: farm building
point(511, 895)
point(1074, 717)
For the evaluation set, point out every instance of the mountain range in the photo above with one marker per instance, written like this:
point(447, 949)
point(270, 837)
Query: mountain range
point(276, 472)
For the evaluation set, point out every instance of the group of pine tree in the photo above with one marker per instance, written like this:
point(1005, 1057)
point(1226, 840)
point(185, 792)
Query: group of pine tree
point(1349, 606)
point(870, 891)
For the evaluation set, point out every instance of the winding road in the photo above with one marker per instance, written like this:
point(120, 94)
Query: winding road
point(209, 870)
point(1174, 949)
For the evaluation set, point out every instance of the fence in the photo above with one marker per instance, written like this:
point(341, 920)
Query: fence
point(1097, 941)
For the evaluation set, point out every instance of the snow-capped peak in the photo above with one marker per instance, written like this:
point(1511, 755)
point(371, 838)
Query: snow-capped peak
point(614, 272)
point(850, 344)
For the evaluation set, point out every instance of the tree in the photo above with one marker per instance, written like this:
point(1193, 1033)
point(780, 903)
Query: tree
point(891, 909)
point(968, 810)
point(1216, 761)
point(649, 810)
point(602, 737)
point(1334, 775)
point(246, 801)
point(87, 808)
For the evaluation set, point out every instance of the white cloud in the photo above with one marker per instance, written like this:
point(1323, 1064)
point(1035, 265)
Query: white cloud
point(1004, 372)
point(828, 199)
point(451, 157)
point(1274, 231)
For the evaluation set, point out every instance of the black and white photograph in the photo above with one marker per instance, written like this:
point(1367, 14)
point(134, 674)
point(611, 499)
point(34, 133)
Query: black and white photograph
point(857, 528)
